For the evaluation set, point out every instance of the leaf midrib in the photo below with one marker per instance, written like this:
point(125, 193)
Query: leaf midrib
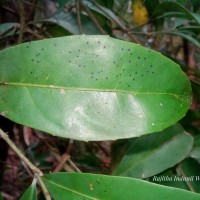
point(69, 190)
point(90, 89)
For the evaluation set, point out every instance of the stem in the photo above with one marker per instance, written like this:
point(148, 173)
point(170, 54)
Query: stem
point(187, 182)
point(19, 153)
point(94, 20)
point(78, 16)
point(38, 173)
point(43, 187)
point(22, 21)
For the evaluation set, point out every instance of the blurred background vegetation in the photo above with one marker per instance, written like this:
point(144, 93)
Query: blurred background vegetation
point(170, 27)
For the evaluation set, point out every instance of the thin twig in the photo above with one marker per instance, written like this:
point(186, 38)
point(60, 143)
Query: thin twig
point(96, 23)
point(187, 182)
point(65, 166)
point(74, 165)
point(38, 173)
point(65, 157)
point(69, 147)
point(22, 21)
point(78, 16)
point(34, 33)
point(32, 9)
point(19, 153)
point(122, 26)
point(43, 187)
point(63, 160)
point(9, 10)
point(102, 148)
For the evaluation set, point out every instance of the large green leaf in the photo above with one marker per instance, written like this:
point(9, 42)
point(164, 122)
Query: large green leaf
point(30, 193)
point(91, 186)
point(149, 155)
point(91, 88)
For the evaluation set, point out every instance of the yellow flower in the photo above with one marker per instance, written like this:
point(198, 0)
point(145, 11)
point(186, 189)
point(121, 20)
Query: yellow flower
point(140, 13)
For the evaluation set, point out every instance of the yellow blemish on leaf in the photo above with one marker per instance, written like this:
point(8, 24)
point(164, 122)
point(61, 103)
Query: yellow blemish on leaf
point(91, 186)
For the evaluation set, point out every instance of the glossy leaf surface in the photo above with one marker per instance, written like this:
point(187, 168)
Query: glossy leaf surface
point(91, 88)
point(91, 186)
point(149, 155)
